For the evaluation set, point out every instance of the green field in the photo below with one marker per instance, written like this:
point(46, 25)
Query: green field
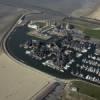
point(38, 36)
point(93, 33)
point(87, 27)
point(87, 89)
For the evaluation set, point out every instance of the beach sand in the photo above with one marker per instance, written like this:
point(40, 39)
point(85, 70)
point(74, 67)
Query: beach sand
point(95, 14)
point(18, 82)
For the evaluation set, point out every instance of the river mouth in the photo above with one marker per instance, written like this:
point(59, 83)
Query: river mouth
point(19, 36)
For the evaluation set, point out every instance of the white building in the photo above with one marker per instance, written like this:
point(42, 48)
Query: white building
point(33, 26)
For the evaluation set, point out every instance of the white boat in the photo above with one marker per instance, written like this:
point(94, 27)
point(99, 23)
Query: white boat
point(84, 51)
point(62, 70)
point(66, 67)
point(27, 52)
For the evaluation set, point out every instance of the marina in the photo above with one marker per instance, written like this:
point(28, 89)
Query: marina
point(64, 54)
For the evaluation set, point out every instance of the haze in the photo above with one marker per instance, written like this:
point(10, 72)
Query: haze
point(65, 6)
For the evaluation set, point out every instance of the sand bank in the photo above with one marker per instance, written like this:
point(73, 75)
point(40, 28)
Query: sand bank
point(95, 14)
point(18, 82)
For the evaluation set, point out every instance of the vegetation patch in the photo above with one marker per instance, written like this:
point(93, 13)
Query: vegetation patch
point(38, 36)
point(87, 89)
point(93, 33)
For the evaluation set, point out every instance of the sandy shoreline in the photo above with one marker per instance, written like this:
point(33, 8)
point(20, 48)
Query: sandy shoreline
point(18, 82)
point(95, 14)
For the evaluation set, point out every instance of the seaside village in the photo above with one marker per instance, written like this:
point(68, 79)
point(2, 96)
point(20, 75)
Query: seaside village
point(64, 48)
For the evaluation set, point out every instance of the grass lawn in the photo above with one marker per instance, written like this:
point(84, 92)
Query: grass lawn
point(79, 96)
point(88, 89)
point(93, 33)
point(38, 36)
